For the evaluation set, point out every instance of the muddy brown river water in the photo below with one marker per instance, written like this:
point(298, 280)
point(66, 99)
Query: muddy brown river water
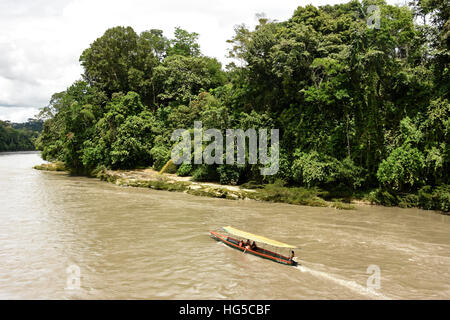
point(65, 237)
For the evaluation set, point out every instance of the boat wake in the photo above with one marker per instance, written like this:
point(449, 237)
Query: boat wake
point(352, 285)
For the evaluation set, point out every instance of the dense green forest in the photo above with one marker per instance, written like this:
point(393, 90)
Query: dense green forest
point(361, 109)
point(19, 136)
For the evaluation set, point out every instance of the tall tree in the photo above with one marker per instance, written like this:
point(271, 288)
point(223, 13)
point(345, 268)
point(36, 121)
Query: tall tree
point(184, 43)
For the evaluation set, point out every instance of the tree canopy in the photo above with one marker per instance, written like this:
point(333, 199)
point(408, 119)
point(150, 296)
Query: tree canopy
point(19, 136)
point(358, 106)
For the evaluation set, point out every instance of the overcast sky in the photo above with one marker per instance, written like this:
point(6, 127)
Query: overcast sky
point(42, 40)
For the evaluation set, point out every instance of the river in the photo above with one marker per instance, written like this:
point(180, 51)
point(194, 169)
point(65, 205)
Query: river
point(64, 237)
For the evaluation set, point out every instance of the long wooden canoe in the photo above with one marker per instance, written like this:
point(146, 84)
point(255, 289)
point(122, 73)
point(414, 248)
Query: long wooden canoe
point(259, 252)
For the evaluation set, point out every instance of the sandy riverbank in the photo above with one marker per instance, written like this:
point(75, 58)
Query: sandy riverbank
point(149, 178)
point(153, 179)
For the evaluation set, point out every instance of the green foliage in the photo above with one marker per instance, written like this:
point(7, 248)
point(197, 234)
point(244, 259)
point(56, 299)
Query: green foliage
point(31, 124)
point(358, 108)
point(184, 170)
point(17, 137)
point(403, 167)
point(314, 169)
point(133, 142)
point(180, 78)
point(427, 197)
point(229, 174)
point(184, 44)
point(204, 173)
point(54, 166)
point(383, 197)
point(154, 41)
point(160, 155)
point(310, 169)
point(169, 167)
point(123, 137)
point(122, 61)
point(435, 198)
point(409, 201)
point(277, 192)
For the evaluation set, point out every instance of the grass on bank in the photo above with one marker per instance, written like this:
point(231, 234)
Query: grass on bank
point(277, 192)
point(53, 166)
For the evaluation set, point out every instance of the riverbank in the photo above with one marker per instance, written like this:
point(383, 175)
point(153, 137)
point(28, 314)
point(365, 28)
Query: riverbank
point(426, 198)
point(53, 166)
point(149, 178)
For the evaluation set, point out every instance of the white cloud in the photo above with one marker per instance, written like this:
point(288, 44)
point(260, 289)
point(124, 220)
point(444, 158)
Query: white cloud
point(17, 114)
point(41, 40)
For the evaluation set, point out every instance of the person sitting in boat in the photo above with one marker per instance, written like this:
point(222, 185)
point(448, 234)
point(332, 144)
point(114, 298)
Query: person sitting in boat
point(241, 243)
point(247, 244)
point(292, 255)
point(253, 246)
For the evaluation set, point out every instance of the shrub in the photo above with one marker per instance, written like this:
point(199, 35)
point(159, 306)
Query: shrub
point(409, 200)
point(404, 166)
point(160, 155)
point(435, 199)
point(169, 167)
point(309, 168)
point(314, 169)
point(346, 173)
point(428, 197)
point(382, 197)
point(277, 192)
point(229, 174)
point(205, 173)
point(184, 169)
